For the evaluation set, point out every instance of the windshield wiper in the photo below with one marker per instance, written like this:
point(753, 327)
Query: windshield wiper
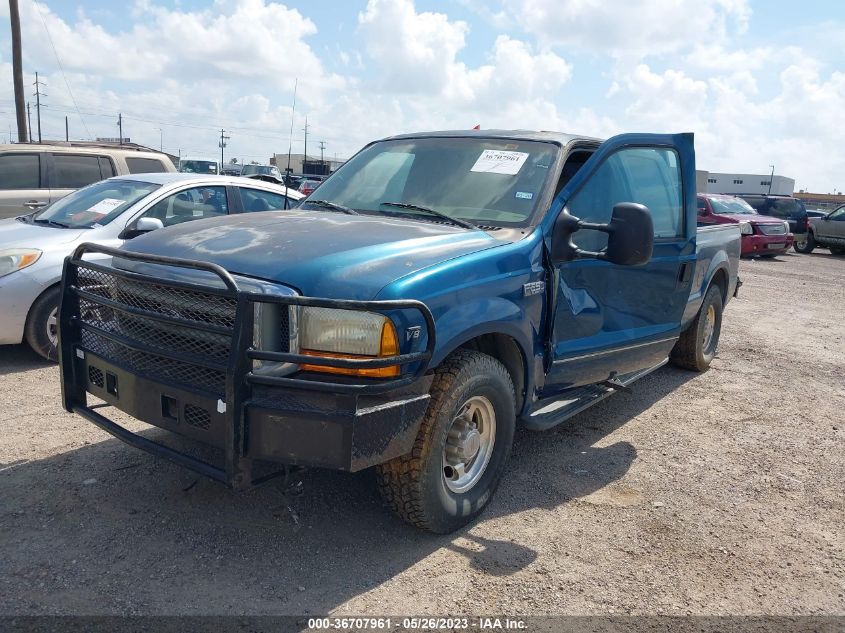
point(52, 223)
point(415, 207)
point(332, 205)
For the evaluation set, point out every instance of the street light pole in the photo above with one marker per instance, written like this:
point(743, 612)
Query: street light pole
point(771, 178)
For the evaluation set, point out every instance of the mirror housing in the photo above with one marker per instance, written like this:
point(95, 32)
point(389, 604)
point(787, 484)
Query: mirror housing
point(630, 236)
point(145, 225)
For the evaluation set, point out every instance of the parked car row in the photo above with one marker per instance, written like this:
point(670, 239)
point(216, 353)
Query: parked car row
point(110, 212)
point(32, 176)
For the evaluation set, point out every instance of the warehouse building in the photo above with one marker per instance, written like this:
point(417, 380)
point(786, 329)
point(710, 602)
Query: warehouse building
point(749, 183)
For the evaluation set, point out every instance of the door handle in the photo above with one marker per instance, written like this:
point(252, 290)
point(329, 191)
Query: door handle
point(34, 204)
point(684, 274)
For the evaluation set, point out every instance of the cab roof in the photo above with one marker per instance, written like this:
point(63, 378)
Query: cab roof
point(558, 138)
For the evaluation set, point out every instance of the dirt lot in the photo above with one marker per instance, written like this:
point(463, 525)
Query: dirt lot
point(719, 493)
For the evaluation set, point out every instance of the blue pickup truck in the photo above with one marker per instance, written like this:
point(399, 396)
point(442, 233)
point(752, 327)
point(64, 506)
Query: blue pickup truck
point(436, 291)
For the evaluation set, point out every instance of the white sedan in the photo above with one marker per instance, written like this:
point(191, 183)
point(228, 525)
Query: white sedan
point(33, 247)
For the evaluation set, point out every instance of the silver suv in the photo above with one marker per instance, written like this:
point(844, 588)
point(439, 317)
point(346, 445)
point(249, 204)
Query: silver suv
point(32, 176)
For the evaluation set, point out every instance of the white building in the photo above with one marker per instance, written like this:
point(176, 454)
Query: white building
point(749, 183)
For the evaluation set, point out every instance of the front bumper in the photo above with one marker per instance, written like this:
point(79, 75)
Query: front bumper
point(757, 244)
point(296, 420)
point(18, 291)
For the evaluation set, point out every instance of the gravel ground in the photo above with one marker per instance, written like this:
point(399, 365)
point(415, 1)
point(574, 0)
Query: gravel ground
point(718, 493)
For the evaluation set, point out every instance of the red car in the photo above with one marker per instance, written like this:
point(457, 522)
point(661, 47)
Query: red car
point(309, 186)
point(762, 235)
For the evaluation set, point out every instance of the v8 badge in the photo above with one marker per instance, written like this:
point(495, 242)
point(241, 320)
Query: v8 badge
point(413, 333)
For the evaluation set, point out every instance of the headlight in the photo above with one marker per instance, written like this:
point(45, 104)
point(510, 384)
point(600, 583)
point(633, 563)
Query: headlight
point(745, 228)
point(347, 334)
point(12, 259)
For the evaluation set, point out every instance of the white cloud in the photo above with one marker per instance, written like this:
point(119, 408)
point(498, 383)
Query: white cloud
point(647, 27)
point(246, 39)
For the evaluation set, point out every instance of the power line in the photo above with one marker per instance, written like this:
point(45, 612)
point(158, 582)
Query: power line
point(61, 68)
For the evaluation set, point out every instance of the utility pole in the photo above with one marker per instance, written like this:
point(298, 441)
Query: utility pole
point(120, 128)
point(17, 68)
point(222, 144)
point(771, 178)
point(29, 117)
point(322, 147)
point(38, 95)
point(67, 130)
point(305, 154)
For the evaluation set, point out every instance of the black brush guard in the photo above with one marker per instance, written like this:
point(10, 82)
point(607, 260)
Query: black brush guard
point(237, 366)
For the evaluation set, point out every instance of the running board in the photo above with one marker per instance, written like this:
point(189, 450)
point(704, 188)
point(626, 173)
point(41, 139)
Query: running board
point(549, 412)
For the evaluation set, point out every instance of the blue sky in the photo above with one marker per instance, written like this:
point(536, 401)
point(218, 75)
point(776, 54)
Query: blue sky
point(760, 83)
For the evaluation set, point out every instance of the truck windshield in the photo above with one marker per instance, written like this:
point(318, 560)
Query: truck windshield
point(488, 182)
point(732, 207)
point(94, 205)
point(191, 166)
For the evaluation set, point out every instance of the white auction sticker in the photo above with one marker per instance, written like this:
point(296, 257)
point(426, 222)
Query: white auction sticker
point(106, 205)
point(493, 161)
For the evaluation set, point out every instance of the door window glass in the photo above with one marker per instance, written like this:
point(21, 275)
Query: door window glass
point(649, 176)
point(190, 204)
point(20, 171)
point(839, 214)
point(73, 172)
point(258, 200)
point(144, 165)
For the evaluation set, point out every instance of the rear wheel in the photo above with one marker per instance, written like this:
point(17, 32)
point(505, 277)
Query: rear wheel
point(461, 449)
point(42, 324)
point(804, 243)
point(696, 348)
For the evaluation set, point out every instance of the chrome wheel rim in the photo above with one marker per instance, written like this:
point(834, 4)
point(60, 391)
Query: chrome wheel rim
point(801, 243)
point(709, 329)
point(469, 444)
point(52, 327)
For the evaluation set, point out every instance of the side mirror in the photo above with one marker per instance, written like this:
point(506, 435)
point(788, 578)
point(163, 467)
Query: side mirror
point(630, 236)
point(145, 225)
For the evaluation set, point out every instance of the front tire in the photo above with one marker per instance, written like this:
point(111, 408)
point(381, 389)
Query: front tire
point(42, 325)
point(461, 449)
point(805, 245)
point(696, 348)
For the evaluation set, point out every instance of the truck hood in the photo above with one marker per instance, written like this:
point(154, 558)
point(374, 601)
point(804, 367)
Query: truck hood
point(322, 254)
point(16, 234)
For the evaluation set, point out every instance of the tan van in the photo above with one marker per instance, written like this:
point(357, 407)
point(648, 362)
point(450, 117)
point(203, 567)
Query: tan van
point(32, 175)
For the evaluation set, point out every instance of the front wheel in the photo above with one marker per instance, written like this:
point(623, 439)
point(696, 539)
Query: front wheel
point(42, 324)
point(804, 243)
point(461, 449)
point(696, 348)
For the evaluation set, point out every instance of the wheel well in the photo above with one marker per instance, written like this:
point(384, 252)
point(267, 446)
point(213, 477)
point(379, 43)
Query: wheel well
point(720, 279)
point(506, 350)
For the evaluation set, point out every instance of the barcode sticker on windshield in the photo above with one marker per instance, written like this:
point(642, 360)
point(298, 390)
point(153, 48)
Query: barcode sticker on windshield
point(493, 161)
point(106, 205)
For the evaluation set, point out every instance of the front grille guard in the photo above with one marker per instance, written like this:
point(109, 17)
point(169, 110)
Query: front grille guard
point(237, 472)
